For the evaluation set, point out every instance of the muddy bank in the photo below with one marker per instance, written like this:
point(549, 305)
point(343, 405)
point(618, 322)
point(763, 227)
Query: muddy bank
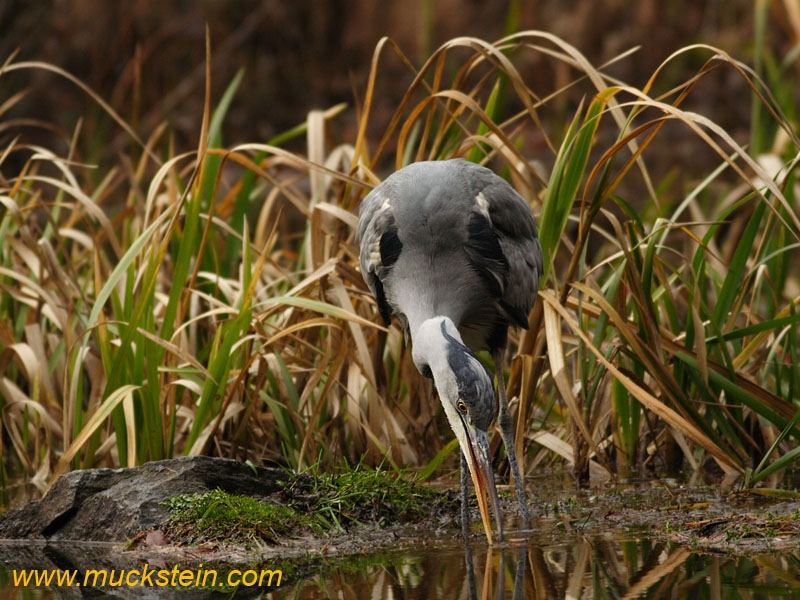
point(702, 517)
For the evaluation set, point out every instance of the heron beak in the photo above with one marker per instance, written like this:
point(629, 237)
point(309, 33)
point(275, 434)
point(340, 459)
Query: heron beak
point(475, 446)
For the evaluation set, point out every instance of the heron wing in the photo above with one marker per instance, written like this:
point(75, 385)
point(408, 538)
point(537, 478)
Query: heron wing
point(503, 244)
point(379, 244)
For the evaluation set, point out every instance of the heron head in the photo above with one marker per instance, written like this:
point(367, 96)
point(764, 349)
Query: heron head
point(465, 390)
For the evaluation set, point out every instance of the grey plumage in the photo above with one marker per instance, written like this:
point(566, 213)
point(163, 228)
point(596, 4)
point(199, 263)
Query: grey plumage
point(451, 238)
point(451, 250)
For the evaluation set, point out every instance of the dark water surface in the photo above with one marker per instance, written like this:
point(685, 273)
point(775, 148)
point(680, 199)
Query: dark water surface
point(584, 568)
point(601, 566)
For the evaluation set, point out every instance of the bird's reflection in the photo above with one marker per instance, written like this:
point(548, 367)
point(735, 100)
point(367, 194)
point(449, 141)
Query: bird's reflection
point(519, 569)
point(533, 566)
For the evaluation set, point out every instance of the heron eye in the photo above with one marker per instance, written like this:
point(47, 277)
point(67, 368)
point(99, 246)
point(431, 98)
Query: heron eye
point(462, 408)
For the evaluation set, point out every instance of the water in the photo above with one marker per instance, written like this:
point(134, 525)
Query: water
point(601, 566)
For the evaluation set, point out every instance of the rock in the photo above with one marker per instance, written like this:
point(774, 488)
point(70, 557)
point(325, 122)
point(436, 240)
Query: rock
point(113, 505)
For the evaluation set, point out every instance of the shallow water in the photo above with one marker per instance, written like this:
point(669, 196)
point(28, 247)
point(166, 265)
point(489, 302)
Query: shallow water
point(602, 566)
point(583, 568)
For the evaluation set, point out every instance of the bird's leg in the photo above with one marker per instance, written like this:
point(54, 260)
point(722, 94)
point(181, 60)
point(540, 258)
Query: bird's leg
point(500, 589)
point(471, 587)
point(519, 574)
point(507, 433)
point(464, 497)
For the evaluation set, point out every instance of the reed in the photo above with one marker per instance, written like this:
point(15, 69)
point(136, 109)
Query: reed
point(206, 300)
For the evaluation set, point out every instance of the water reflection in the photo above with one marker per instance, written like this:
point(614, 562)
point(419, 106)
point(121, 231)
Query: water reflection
point(599, 566)
point(587, 568)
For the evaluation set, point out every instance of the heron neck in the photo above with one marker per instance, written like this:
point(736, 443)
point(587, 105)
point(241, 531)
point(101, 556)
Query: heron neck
point(420, 303)
point(430, 341)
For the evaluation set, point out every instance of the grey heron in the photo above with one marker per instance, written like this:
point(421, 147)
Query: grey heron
point(451, 250)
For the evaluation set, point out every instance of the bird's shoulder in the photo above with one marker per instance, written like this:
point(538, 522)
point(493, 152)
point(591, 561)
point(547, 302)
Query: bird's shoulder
point(503, 244)
point(508, 212)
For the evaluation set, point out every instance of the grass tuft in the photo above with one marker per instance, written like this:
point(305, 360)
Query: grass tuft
point(363, 496)
point(218, 516)
point(319, 504)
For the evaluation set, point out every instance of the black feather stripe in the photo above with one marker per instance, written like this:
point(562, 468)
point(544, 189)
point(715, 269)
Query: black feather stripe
point(380, 298)
point(390, 247)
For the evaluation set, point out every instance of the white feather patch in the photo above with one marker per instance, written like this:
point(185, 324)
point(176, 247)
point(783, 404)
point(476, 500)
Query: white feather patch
point(375, 253)
point(483, 204)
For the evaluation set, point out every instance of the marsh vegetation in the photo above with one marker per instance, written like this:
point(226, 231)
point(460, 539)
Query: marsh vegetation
point(206, 300)
point(161, 297)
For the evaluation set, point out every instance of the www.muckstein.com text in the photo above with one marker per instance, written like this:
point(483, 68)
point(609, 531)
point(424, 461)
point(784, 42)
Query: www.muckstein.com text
point(147, 576)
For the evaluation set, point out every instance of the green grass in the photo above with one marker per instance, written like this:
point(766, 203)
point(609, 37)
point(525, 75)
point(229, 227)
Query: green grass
point(207, 299)
point(219, 516)
point(319, 504)
point(360, 496)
